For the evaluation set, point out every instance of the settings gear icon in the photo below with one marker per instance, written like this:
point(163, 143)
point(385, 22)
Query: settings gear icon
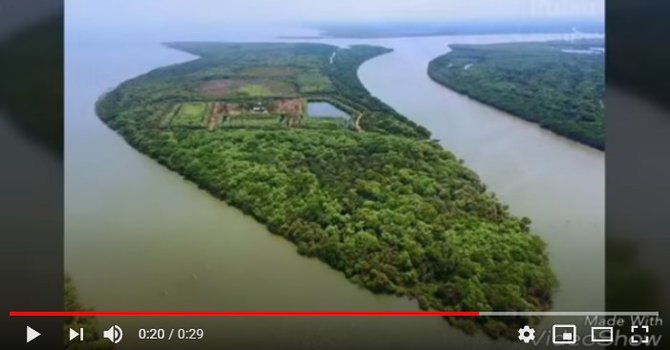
point(526, 334)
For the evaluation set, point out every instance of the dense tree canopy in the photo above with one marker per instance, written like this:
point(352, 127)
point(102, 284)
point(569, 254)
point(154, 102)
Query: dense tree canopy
point(392, 210)
point(559, 85)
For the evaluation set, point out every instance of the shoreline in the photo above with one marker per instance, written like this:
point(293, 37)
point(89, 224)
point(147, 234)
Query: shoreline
point(511, 113)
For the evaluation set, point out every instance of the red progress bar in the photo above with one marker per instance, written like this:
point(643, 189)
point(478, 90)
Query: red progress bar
point(238, 313)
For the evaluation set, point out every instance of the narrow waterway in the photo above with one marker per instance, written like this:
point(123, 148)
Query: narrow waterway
point(139, 237)
point(558, 183)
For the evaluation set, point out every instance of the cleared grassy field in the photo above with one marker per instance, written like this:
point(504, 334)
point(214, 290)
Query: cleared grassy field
point(267, 71)
point(248, 88)
point(255, 90)
point(191, 114)
point(313, 82)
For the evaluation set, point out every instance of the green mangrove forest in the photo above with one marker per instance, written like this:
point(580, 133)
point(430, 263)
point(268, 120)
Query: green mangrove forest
point(559, 85)
point(372, 197)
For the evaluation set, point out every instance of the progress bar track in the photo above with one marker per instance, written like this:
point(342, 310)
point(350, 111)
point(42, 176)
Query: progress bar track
point(325, 313)
point(569, 313)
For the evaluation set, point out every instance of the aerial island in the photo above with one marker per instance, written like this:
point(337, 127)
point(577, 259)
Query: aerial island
point(371, 194)
point(560, 85)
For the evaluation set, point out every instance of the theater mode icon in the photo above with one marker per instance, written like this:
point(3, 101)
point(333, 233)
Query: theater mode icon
point(602, 334)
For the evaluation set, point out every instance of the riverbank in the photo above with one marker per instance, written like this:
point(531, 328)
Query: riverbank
point(539, 82)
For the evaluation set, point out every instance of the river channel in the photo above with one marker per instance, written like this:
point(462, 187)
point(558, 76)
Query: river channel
point(139, 237)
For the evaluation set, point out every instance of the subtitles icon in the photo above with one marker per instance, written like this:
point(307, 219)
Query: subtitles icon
point(602, 334)
point(564, 334)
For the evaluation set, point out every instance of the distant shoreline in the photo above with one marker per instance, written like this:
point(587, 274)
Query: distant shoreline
point(413, 35)
point(427, 29)
point(446, 71)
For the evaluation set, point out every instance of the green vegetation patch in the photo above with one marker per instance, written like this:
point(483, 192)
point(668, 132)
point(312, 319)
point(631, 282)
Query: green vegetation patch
point(559, 85)
point(254, 121)
point(248, 88)
point(390, 209)
point(266, 89)
point(191, 114)
point(311, 82)
point(268, 71)
point(329, 123)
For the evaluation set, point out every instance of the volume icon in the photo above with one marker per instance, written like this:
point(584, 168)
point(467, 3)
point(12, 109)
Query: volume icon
point(114, 334)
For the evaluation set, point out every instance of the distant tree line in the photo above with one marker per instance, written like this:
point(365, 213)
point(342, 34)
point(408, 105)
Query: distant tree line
point(562, 91)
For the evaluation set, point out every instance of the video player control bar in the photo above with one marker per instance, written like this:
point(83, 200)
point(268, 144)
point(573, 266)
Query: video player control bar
point(323, 313)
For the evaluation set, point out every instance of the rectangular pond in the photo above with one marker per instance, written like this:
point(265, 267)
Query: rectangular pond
point(325, 109)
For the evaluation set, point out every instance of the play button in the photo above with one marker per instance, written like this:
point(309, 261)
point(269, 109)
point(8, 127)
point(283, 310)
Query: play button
point(31, 334)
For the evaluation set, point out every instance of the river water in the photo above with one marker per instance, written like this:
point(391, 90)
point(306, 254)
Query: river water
point(139, 237)
point(324, 109)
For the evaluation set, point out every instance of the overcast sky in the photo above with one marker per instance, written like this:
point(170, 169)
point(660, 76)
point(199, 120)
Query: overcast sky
point(185, 12)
